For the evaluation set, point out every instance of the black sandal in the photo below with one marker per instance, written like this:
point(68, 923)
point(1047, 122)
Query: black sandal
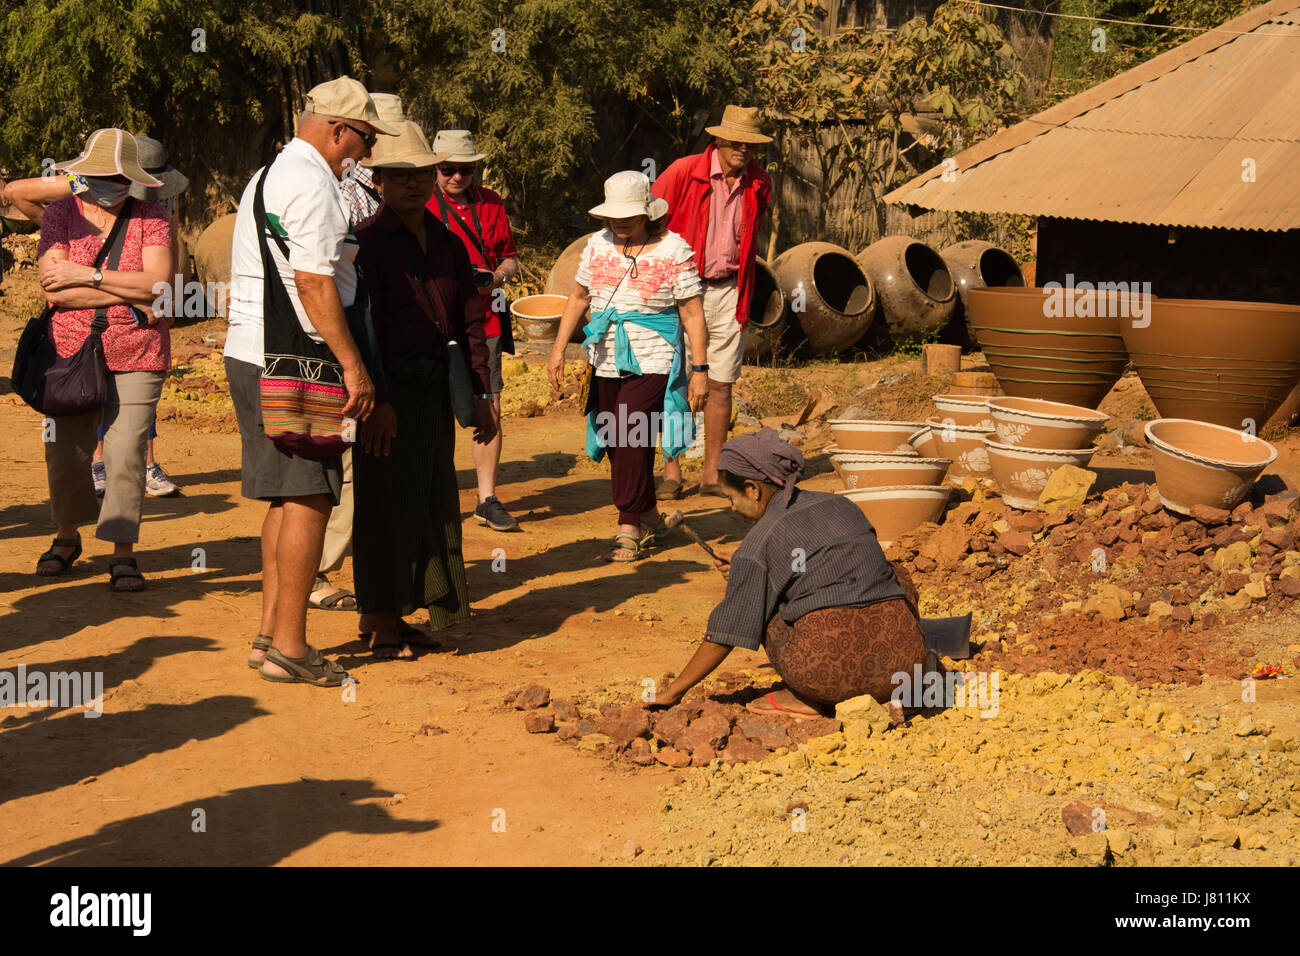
point(65, 563)
point(115, 576)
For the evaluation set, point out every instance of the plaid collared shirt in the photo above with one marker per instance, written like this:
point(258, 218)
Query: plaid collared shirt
point(361, 204)
point(821, 552)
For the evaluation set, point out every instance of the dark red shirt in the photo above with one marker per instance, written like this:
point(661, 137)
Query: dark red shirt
point(495, 238)
point(393, 265)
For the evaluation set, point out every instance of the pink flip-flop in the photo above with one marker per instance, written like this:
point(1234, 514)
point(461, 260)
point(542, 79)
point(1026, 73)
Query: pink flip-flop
point(783, 711)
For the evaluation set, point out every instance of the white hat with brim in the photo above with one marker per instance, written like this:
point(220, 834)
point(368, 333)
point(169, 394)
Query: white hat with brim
point(739, 125)
point(111, 152)
point(627, 194)
point(389, 107)
point(346, 99)
point(407, 150)
point(456, 146)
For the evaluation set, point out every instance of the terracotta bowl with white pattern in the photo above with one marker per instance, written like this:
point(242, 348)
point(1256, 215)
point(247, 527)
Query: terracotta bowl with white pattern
point(972, 410)
point(1035, 423)
point(895, 510)
point(886, 438)
point(964, 444)
point(1199, 463)
point(1022, 473)
point(875, 471)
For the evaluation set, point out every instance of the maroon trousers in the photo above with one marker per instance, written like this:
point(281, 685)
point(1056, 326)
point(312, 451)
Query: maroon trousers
point(633, 405)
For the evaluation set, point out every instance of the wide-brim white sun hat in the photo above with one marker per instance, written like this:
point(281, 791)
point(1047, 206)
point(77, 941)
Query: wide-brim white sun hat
point(628, 194)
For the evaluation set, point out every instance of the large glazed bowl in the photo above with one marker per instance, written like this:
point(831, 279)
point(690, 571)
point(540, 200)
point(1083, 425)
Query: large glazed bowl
point(916, 293)
point(1022, 473)
point(1205, 464)
point(1034, 423)
point(964, 444)
point(1217, 361)
point(827, 294)
point(896, 509)
point(1037, 353)
point(888, 438)
point(875, 471)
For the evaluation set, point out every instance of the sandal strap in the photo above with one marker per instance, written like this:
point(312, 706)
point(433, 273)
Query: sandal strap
point(263, 642)
point(123, 563)
point(67, 542)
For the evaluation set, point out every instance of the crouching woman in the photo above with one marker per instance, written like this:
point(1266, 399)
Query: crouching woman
point(811, 584)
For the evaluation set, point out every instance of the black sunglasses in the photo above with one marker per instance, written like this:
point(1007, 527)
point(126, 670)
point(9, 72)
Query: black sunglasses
point(450, 171)
point(368, 138)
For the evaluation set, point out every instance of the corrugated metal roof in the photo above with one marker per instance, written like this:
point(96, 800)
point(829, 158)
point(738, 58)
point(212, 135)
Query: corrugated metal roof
point(1165, 143)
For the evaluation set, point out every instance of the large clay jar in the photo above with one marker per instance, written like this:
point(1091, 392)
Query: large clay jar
point(1217, 361)
point(767, 322)
point(828, 295)
point(895, 510)
point(1197, 463)
point(916, 293)
point(212, 259)
point(1035, 352)
point(976, 264)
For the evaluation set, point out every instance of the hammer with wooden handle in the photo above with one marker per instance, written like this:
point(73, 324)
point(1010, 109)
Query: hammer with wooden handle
point(677, 519)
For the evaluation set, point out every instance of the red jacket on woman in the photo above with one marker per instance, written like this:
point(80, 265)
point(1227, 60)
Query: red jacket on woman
point(685, 185)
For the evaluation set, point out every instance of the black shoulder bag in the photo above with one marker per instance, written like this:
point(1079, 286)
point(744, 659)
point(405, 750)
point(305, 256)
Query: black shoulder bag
point(63, 387)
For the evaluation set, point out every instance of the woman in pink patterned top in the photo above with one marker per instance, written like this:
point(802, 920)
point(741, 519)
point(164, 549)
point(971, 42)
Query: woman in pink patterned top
point(137, 348)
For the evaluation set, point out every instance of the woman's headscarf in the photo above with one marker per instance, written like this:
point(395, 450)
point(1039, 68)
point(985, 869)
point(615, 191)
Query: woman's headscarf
point(761, 456)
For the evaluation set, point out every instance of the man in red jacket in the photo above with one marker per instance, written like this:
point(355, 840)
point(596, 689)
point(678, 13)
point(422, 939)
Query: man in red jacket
point(716, 201)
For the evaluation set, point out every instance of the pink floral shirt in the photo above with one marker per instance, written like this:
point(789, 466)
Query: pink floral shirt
point(128, 347)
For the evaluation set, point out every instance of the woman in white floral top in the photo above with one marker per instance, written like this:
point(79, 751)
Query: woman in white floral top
point(642, 286)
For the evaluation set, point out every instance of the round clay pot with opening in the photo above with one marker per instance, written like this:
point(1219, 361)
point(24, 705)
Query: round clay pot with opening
point(767, 320)
point(827, 295)
point(917, 295)
point(539, 315)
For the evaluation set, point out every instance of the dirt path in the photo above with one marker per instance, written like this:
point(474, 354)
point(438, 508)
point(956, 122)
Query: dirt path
point(295, 774)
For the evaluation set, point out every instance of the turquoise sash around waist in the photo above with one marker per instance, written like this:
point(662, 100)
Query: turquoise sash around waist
point(678, 421)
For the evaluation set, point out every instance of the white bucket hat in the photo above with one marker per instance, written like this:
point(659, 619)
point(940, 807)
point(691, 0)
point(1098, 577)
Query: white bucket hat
point(456, 146)
point(628, 194)
point(389, 107)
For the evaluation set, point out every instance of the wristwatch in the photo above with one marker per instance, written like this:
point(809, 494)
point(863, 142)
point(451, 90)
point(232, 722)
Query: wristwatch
point(96, 278)
point(699, 368)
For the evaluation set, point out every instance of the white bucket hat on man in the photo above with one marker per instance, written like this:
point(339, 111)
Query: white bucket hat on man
point(389, 107)
point(628, 194)
point(407, 150)
point(456, 146)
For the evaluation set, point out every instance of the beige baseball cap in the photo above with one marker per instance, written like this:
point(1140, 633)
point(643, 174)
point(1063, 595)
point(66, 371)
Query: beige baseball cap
point(345, 98)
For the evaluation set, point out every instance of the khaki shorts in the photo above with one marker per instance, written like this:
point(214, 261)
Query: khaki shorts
point(726, 337)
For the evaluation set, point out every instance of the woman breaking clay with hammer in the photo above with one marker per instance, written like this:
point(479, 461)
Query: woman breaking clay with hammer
point(811, 584)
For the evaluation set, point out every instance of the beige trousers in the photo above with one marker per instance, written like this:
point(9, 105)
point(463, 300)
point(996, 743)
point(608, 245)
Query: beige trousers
point(70, 443)
point(338, 533)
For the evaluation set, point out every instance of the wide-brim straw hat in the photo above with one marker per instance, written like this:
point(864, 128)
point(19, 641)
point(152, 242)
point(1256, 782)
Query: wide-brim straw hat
point(407, 150)
point(153, 158)
point(111, 152)
point(456, 146)
point(627, 194)
point(346, 99)
point(740, 125)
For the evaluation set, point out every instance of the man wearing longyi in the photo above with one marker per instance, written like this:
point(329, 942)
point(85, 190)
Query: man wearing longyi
point(809, 583)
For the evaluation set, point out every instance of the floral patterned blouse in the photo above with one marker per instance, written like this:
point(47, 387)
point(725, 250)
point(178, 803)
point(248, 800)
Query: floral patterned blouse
point(128, 347)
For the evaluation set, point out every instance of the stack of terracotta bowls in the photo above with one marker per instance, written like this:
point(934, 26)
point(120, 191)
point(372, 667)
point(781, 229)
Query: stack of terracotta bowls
point(1033, 438)
point(1198, 463)
point(957, 431)
point(887, 476)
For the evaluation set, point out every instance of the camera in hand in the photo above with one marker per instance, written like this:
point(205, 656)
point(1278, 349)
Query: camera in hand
point(483, 278)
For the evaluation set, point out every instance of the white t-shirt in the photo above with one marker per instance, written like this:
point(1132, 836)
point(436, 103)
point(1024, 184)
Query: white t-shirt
point(664, 275)
point(305, 205)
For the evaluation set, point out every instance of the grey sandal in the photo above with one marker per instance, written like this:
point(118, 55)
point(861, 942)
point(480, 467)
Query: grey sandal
point(305, 670)
point(260, 643)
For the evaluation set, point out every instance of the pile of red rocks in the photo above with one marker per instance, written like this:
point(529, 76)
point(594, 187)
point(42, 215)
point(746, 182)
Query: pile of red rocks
point(691, 734)
point(1121, 567)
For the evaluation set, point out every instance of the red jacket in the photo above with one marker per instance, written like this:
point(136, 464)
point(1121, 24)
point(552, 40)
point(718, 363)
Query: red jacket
point(685, 185)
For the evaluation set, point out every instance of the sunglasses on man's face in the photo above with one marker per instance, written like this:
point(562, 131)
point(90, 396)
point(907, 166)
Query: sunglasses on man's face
point(400, 177)
point(368, 138)
point(450, 171)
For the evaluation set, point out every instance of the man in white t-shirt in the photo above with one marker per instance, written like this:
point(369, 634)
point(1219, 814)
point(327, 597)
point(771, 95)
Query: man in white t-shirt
point(305, 209)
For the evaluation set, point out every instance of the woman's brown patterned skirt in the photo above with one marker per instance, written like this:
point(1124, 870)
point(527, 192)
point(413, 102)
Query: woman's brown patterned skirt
point(836, 653)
